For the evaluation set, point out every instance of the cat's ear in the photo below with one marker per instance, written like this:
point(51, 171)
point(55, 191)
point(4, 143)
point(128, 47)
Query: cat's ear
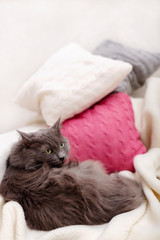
point(25, 137)
point(57, 124)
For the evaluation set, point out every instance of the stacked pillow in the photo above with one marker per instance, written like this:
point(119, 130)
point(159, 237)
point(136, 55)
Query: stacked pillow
point(106, 132)
point(70, 81)
point(144, 63)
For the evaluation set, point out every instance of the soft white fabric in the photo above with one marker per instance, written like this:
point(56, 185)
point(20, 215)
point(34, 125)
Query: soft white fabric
point(142, 223)
point(147, 113)
point(69, 82)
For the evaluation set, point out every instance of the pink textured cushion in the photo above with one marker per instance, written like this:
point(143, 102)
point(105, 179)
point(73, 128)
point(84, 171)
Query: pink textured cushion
point(106, 132)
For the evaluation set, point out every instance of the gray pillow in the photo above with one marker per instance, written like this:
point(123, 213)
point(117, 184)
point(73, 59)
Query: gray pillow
point(144, 63)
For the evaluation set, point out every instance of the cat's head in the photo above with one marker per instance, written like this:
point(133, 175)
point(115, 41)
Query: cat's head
point(46, 147)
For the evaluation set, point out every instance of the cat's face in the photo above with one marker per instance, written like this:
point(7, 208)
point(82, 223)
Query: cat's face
point(46, 147)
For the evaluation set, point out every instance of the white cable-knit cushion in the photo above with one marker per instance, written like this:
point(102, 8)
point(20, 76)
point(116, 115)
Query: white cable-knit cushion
point(69, 82)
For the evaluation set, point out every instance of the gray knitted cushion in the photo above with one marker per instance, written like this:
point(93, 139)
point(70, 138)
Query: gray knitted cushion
point(144, 63)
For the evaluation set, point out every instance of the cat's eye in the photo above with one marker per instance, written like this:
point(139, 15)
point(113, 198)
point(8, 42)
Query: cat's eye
point(61, 145)
point(49, 151)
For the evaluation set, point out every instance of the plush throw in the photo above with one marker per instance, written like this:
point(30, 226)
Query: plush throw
point(144, 63)
point(69, 82)
point(106, 132)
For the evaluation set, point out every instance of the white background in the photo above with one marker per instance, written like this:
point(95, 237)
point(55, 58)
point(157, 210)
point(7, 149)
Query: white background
point(31, 30)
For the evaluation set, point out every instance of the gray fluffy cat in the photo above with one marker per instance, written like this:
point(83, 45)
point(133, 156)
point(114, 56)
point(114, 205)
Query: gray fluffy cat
point(56, 194)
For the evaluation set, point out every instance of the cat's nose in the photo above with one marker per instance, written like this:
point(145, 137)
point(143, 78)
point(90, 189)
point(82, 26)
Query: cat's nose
point(61, 159)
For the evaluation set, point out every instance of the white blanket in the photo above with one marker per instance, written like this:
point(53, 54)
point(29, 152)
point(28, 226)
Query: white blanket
point(141, 223)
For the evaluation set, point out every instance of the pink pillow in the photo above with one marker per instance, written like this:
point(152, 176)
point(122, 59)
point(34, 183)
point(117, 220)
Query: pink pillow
point(106, 132)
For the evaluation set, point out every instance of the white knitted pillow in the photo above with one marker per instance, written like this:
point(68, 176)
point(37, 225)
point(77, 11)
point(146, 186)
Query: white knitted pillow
point(69, 82)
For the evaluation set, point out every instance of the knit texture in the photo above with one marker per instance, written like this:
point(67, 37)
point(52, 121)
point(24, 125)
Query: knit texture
point(144, 63)
point(106, 132)
point(69, 82)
